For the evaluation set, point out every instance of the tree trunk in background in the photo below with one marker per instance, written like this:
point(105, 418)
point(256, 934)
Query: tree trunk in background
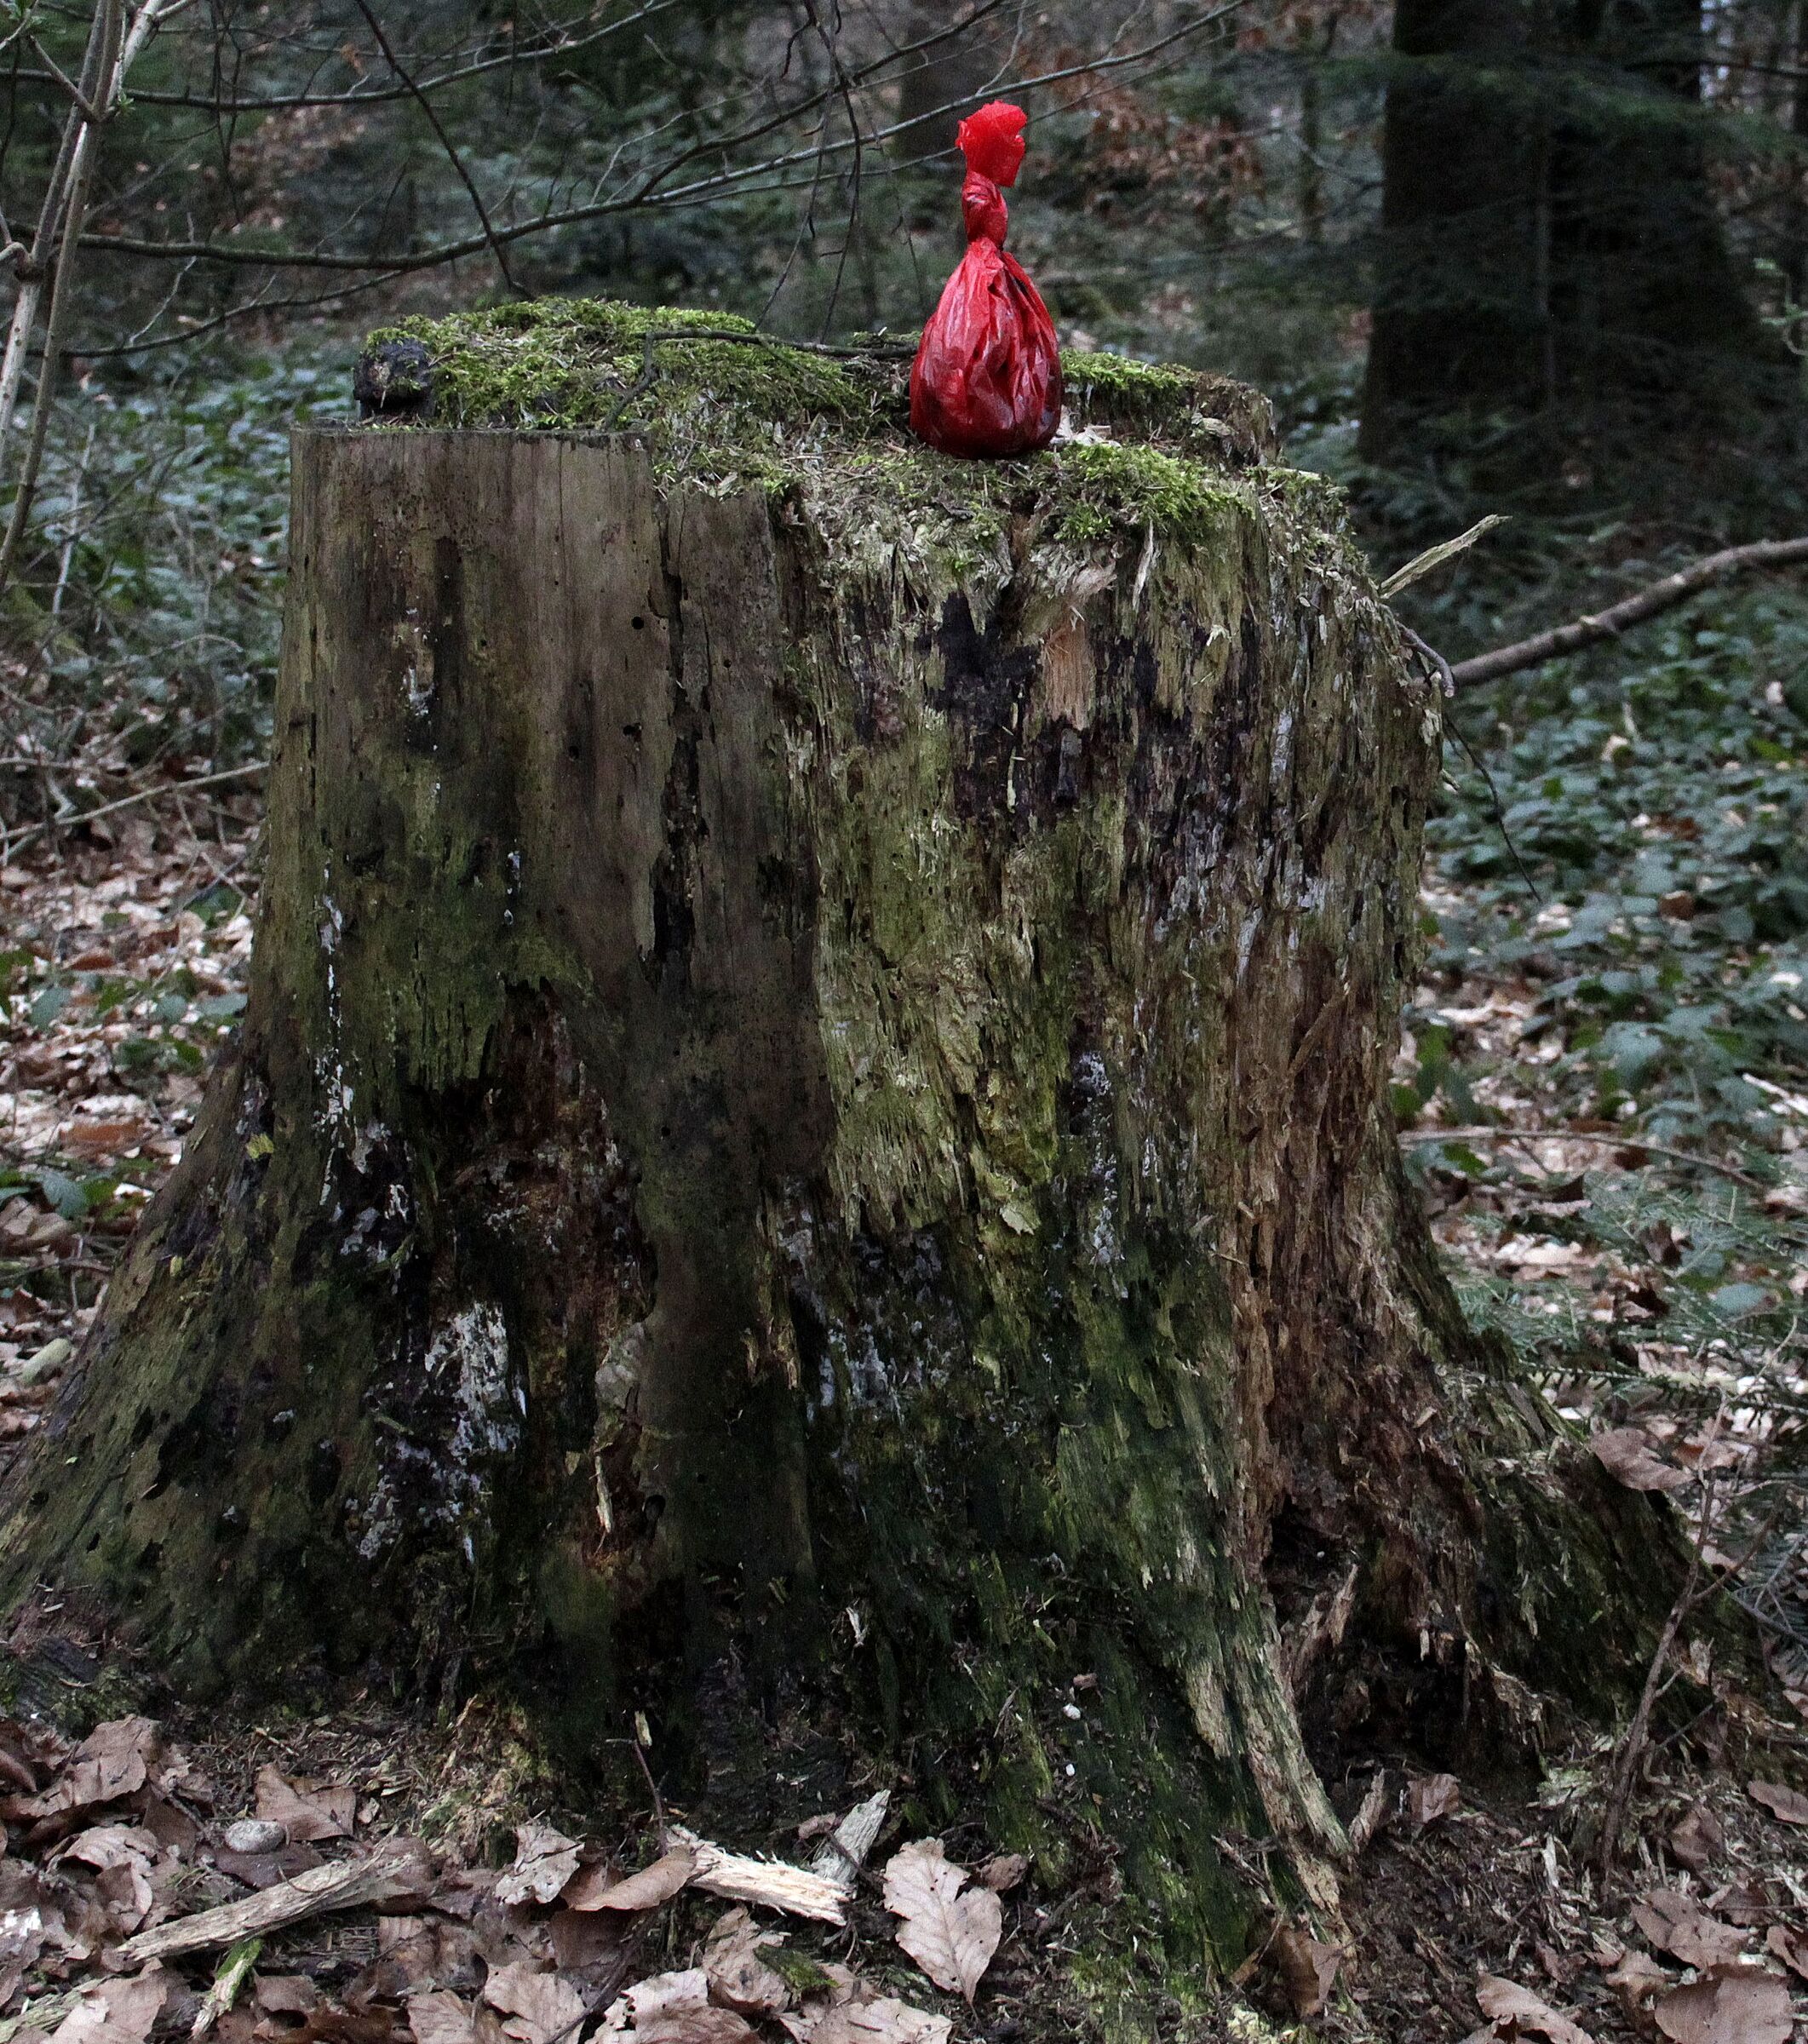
point(811, 1156)
point(1549, 243)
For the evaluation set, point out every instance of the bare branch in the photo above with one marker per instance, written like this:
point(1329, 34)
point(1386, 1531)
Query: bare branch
point(1618, 617)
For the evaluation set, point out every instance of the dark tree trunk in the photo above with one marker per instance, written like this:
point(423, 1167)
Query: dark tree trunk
point(811, 1153)
point(1549, 244)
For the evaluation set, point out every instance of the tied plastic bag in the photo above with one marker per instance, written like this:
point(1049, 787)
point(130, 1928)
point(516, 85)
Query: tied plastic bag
point(987, 377)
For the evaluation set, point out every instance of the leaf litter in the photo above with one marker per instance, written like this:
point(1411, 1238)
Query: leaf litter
point(117, 1881)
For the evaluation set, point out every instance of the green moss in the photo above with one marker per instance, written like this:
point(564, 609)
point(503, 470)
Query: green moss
point(1105, 482)
point(770, 415)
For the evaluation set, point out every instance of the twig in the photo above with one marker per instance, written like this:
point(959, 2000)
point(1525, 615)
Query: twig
point(1493, 1133)
point(452, 156)
point(340, 1884)
point(1635, 610)
point(1631, 1747)
point(126, 801)
point(1435, 557)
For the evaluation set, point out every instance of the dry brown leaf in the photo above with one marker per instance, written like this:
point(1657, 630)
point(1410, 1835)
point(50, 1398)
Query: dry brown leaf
point(1676, 1923)
point(307, 1811)
point(1739, 1902)
point(1003, 1871)
point(688, 2025)
point(103, 1845)
point(952, 1936)
point(592, 1888)
point(114, 1760)
point(1636, 1979)
point(882, 2020)
point(545, 1860)
point(1503, 2001)
point(1430, 1796)
point(1786, 1804)
point(117, 2011)
point(1698, 1838)
point(441, 2017)
point(284, 1994)
point(674, 2008)
point(1308, 1969)
point(1790, 1946)
point(740, 1979)
point(1731, 2004)
point(540, 2006)
point(1627, 1455)
point(659, 1995)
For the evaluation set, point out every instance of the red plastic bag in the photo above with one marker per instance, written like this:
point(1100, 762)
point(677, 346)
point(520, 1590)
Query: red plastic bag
point(987, 377)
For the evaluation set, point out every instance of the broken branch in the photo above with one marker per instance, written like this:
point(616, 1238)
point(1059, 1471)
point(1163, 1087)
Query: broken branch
point(1620, 617)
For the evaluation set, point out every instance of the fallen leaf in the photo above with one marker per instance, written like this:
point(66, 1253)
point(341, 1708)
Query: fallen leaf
point(113, 1761)
point(740, 1979)
point(103, 1845)
point(1731, 2004)
point(1430, 1796)
point(1627, 1454)
point(117, 2011)
point(657, 1995)
point(545, 1860)
point(306, 1810)
point(950, 1935)
point(1636, 1978)
point(1786, 1804)
point(1739, 1902)
point(284, 1994)
point(1308, 1969)
point(1675, 1923)
point(1003, 1871)
point(883, 2020)
point(674, 2008)
point(540, 2006)
point(1698, 1838)
point(440, 2018)
point(1790, 1946)
point(593, 1889)
point(1501, 2002)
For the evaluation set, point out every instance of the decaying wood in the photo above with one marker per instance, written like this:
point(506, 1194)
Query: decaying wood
point(390, 1873)
point(769, 1884)
point(816, 1079)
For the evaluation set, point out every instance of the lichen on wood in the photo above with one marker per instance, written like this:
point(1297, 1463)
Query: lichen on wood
point(811, 1155)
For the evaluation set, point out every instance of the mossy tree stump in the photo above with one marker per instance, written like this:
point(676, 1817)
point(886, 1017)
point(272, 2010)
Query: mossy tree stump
point(810, 1153)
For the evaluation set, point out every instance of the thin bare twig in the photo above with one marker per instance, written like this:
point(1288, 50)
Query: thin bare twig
point(1493, 1133)
point(1648, 602)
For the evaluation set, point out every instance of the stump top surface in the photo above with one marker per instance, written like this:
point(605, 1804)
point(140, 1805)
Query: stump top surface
point(712, 399)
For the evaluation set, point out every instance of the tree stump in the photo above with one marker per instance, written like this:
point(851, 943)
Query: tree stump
point(810, 1154)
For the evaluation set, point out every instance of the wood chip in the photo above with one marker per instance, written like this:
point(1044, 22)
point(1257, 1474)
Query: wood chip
point(769, 1884)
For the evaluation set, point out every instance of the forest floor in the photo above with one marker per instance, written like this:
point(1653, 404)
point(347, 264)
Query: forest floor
point(1656, 1296)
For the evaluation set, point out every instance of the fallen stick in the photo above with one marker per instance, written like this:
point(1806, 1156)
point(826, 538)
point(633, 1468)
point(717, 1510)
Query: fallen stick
point(344, 1884)
point(1635, 610)
point(1494, 1132)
